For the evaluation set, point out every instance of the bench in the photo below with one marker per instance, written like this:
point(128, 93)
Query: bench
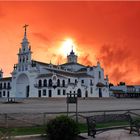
point(134, 125)
point(92, 122)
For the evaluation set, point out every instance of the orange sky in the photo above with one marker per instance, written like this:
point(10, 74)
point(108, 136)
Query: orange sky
point(108, 31)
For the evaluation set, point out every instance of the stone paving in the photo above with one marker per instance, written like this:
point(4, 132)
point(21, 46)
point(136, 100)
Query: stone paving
point(114, 135)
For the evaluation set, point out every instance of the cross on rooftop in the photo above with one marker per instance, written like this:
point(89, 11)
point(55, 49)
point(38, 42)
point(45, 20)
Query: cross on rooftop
point(25, 26)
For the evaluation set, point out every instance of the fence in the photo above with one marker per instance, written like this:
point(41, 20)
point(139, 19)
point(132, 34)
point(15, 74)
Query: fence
point(37, 119)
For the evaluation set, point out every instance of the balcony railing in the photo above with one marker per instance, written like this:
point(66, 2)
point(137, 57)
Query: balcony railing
point(9, 87)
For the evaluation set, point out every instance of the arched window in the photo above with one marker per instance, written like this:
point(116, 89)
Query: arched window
point(63, 83)
point(58, 83)
point(4, 85)
point(99, 75)
point(50, 82)
point(8, 85)
point(45, 83)
point(0, 85)
point(40, 83)
point(79, 93)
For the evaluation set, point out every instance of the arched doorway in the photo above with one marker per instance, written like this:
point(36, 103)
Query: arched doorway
point(79, 93)
point(22, 86)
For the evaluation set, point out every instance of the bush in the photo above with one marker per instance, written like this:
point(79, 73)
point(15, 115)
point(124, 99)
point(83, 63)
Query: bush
point(62, 128)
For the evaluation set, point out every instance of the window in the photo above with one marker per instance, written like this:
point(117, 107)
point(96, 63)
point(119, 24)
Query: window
point(45, 83)
point(91, 82)
point(8, 85)
point(8, 94)
point(0, 85)
point(44, 92)
point(40, 83)
point(63, 83)
point(76, 81)
point(64, 92)
point(58, 83)
point(82, 81)
point(91, 90)
point(3, 93)
point(4, 85)
point(39, 93)
point(58, 92)
point(50, 82)
point(69, 80)
point(99, 75)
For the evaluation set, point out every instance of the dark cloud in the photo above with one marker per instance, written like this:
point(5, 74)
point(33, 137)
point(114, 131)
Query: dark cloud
point(41, 36)
point(120, 62)
point(86, 60)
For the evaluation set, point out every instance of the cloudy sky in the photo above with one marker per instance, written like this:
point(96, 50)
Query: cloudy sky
point(105, 31)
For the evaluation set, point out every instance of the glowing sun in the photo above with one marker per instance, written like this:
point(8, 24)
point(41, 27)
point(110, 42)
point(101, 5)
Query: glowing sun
point(67, 46)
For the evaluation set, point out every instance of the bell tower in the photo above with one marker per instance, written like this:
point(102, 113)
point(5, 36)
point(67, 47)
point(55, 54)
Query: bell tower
point(72, 58)
point(24, 55)
point(1, 74)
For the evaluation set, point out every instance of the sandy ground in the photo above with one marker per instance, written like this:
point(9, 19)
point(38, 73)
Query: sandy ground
point(58, 105)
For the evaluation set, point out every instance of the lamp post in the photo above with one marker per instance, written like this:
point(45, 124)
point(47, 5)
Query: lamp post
point(72, 99)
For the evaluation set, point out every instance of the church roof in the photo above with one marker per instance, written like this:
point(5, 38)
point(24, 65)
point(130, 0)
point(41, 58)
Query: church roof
point(41, 63)
point(49, 75)
point(71, 74)
point(72, 63)
point(6, 79)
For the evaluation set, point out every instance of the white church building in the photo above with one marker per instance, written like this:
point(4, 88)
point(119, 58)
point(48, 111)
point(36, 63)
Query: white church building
point(31, 78)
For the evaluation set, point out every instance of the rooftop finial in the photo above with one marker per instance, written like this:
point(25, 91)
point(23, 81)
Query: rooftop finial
point(25, 26)
point(72, 52)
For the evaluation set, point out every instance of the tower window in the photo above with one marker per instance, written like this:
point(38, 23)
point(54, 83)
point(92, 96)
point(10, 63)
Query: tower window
point(0, 85)
point(99, 75)
point(4, 85)
point(8, 85)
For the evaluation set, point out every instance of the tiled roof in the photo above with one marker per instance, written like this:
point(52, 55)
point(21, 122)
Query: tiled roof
point(99, 84)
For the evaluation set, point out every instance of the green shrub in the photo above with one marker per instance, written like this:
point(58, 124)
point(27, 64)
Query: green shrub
point(62, 128)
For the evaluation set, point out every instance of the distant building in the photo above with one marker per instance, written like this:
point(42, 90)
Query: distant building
point(125, 91)
point(32, 78)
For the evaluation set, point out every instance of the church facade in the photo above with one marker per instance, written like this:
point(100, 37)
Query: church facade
point(31, 78)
